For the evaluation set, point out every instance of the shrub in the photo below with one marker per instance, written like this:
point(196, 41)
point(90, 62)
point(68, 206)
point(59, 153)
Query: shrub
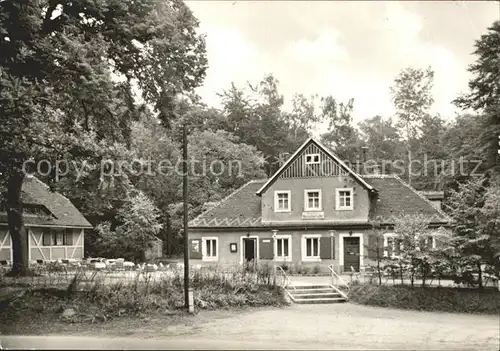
point(427, 299)
point(102, 298)
point(303, 269)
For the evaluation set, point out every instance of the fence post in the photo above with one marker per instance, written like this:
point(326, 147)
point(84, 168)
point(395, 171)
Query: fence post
point(274, 257)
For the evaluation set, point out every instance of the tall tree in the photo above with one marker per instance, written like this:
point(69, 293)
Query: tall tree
point(412, 98)
point(257, 118)
point(138, 226)
point(341, 136)
point(475, 211)
point(484, 94)
point(57, 90)
point(382, 140)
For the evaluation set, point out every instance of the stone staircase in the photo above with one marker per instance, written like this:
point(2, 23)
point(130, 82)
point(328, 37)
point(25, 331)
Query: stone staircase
point(315, 294)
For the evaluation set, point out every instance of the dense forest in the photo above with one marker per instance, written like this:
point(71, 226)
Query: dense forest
point(101, 89)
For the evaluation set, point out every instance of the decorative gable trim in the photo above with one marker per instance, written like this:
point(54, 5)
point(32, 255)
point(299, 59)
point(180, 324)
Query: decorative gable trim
point(327, 152)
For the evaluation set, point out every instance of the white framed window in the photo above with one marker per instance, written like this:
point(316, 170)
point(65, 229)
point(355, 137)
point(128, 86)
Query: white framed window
point(283, 247)
point(311, 247)
point(282, 201)
point(312, 199)
point(344, 199)
point(312, 159)
point(429, 242)
point(392, 245)
point(210, 248)
point(59, 238)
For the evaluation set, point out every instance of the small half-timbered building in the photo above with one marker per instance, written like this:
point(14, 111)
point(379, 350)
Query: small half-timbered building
point(54, 225)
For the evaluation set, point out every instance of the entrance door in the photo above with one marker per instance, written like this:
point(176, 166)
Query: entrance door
point(351, 254)
point(249, 249)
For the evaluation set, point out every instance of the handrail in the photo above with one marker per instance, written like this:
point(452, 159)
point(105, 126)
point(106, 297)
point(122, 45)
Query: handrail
point(338, 277)
point(287, 278)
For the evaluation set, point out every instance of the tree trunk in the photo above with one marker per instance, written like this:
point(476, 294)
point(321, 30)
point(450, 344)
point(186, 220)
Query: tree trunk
point(480, 275)
point(401, 273)
point(169, 240)
point(20, 264)
point(409, 165)
point(378, 268)
point(424, 275)
point(412, 277)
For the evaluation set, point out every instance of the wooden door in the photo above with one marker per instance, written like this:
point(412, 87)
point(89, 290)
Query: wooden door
point(351, 254)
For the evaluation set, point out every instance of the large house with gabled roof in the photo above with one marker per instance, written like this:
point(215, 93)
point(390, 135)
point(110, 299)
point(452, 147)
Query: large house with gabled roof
point(54, 225)
point(313, 211)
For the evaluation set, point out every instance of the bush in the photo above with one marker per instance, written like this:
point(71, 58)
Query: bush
point(427, 299)
point(103, 298)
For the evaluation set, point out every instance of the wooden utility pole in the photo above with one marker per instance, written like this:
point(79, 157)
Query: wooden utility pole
point(185, 199)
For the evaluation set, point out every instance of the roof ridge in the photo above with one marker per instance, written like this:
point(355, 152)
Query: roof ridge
point(423, 198)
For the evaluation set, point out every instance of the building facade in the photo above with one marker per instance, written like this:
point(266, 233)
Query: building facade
point(55, 228)
point(314, 211)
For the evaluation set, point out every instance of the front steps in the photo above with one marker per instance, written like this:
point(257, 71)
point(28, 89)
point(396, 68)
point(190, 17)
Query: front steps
point(315, 294)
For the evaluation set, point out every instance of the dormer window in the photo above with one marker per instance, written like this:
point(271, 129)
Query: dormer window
point(344, 199)
point(312, 159)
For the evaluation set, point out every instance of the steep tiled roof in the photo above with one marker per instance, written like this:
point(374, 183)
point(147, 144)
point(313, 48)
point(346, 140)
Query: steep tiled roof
point(63, 212)
point(240, 209)
point(394, 197)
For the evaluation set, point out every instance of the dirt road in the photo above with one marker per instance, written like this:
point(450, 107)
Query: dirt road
point(338, 326)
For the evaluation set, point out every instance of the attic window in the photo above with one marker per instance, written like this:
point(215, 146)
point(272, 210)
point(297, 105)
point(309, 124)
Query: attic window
point(312, 159)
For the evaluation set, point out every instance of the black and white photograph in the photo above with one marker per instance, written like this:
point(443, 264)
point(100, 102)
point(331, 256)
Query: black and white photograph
point(249, 175)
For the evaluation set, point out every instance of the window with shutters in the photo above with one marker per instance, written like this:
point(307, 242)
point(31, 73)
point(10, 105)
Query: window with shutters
point(344, 199)
point(430, 242)
point(210, 249)
point(392, 245)
point(311, 248)
point(68, 238)
point(312, 200)
point(282, 201)
point(46, 237)
point(284, 247)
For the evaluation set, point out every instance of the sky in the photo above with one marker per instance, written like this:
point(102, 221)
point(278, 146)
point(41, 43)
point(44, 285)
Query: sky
point(347, 49)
